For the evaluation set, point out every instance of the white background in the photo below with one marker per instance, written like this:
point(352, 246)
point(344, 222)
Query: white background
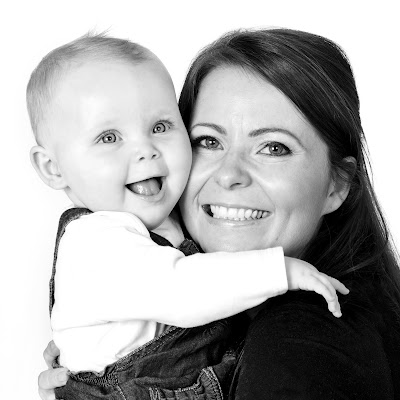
point(368, 31)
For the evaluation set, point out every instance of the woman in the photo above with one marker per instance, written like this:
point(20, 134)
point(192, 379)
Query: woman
point(273, 117)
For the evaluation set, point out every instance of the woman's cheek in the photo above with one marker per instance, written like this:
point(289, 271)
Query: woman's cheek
point(201, 171)
point(188, 209)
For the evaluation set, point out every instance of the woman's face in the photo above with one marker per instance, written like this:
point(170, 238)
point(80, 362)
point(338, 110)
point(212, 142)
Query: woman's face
point(260, 176)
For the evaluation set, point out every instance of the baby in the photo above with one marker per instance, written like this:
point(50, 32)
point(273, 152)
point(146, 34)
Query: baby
point(109, 133)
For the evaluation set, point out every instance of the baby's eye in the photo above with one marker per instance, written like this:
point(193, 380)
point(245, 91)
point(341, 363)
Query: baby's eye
point(161, 127)
point(207, 142)
point(275, 149)
point(109, 137)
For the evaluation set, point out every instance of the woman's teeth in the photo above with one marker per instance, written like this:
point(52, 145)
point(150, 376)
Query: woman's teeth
point(236, 214)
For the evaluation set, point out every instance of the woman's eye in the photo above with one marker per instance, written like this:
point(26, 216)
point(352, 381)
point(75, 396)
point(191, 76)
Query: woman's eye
point(160, 127)
point(207, 142)
point(109, 137)
point(275, 149)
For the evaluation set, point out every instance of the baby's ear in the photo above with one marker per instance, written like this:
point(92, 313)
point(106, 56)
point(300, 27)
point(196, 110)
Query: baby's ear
point(340, 185)
point(47, 168)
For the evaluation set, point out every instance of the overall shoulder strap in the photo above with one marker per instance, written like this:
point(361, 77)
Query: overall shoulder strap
point(187, 247)
point(68, 216)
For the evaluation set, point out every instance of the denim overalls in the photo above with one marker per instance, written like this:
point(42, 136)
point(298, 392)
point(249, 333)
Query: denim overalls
point(195, 363)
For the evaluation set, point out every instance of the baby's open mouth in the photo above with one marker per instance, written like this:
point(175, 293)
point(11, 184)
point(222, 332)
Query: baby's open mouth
point(234, 214)
point(147, 187)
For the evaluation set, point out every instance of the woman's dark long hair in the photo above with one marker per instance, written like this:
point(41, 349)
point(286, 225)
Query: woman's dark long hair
point(353, 243)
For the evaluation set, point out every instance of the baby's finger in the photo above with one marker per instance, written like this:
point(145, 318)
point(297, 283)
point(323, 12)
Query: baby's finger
point(334, 308)
point(52, 378)
point(321, 285)
point(325, 281)
point(339, 285)
point(333, 301)
point(50, 353)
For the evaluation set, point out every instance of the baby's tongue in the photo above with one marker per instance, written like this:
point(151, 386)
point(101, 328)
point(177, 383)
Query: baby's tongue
point(148, 187)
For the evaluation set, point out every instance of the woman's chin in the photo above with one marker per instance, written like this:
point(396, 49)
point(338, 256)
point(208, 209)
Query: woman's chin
point(230, 243)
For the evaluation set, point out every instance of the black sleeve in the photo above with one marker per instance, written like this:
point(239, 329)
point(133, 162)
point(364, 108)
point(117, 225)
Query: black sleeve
point(296, 349)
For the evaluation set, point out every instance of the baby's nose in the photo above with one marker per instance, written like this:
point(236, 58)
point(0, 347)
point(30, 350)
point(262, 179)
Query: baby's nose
point(145, 150)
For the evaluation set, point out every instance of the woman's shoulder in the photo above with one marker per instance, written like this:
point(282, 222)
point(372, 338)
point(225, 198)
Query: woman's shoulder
point(296, 348)
point(358, 310)
point(304, 316)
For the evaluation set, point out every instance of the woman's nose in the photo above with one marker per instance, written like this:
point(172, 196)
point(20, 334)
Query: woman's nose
point(233, 173)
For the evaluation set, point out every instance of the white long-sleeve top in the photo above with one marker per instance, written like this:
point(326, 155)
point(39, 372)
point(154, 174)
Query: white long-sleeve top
point(113, 284)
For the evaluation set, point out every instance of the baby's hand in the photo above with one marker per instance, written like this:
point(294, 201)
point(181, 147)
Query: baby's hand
point(304, 276)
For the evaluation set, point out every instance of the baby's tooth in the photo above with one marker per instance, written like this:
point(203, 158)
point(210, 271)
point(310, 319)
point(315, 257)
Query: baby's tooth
point(264, 214)
point(254, 214)
point(241, 213)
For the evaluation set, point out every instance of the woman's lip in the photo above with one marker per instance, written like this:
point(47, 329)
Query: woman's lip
point(232, 224)
point(234, 214)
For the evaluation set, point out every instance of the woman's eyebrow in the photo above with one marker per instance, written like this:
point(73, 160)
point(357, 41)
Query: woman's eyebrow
point(261, 131)
point(216, 127)
point(252, 134)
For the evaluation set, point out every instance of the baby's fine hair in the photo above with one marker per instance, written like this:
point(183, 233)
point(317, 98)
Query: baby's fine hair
point(44, 78)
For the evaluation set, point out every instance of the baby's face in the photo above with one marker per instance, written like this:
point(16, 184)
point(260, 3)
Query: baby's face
point(119, 140)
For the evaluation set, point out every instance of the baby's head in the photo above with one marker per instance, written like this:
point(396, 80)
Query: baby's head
point(108, 128)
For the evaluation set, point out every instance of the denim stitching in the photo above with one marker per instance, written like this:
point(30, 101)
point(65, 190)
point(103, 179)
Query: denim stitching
point(193, 387)
point(121, 392)
point(215, 382)
point(104, 380)
point(154, 394)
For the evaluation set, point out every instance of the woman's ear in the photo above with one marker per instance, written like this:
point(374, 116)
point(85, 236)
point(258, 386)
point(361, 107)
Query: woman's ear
point(47, 168)
point(340, 185)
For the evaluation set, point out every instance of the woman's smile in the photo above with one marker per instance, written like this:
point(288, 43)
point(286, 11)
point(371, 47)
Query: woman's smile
point(234, 213)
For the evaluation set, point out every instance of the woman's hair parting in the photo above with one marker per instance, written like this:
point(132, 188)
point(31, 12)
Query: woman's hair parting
point(315, 74)
point(50, 70)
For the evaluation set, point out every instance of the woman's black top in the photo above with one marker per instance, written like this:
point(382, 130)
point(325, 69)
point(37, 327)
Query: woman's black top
point(296, 349)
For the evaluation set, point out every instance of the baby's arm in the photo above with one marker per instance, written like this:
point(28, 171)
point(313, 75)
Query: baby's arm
point(108, 269)
point(118, 273)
